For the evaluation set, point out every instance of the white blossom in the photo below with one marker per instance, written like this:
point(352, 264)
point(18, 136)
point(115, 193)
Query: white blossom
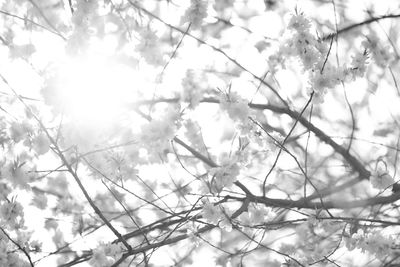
point(380, 178)
point(149, 46)
point(223, 176)
point(41, 144)
point(40, 200)
point(11, 213)
point(372, 242)
point(211, 213)
point(260, 213)
point(196, 13)
point(381, 55)
point(359, 64)
point(236, 107)
point(192, 91)
point(299, 23)
point(214, 214)
point(19, 131)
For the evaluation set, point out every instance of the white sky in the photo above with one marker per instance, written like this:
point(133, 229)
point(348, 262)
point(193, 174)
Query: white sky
point(116, 84)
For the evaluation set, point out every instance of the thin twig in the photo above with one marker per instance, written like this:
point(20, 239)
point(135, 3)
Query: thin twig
point(18, 246)
point(356, 25)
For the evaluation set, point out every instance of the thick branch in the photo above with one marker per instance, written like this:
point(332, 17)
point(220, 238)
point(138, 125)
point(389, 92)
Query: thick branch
point(353, 161)
point(334, 204)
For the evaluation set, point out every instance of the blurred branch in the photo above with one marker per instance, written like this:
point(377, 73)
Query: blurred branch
point(333, 204)
point(18, 246)
point(34, 23)
point(45, 18)
point(356, 25)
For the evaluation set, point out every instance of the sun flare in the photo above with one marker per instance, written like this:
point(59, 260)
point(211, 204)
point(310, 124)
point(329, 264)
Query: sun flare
point(96, 89)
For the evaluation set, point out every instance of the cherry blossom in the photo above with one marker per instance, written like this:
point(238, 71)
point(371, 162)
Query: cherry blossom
point(215, 133)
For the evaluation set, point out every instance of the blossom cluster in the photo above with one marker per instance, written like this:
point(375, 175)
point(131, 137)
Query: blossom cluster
point(314, 240)
point(257, 214)
point(106, 254)
point(193, 134)
point(270, 142)
point(24, 144)
point(24, 131)
point(380, 178)
point(371, 242)
point(156, 135)
point(13, 226)
point(223, 176)
point(313, 55)
point(7, 258)
point(192, 91)
point(83, 19)
point(149, 47)
point(381, 54)
point(236, 107)
point(12, 215)
point(215, 214)
point(196, 13)
point(359, 64)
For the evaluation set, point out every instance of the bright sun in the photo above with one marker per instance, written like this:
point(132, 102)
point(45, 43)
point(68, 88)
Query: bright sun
point(96, 89)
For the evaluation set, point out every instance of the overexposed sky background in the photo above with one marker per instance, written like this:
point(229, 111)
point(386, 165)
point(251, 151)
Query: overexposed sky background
point(99, 88)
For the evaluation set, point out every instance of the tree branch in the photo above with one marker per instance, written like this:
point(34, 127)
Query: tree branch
point(356, 25)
